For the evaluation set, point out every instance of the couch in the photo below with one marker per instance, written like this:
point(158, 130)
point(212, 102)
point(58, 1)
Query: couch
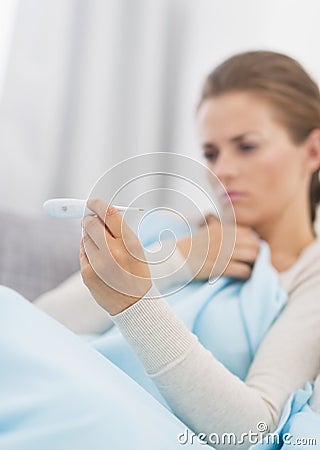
point(37, 252)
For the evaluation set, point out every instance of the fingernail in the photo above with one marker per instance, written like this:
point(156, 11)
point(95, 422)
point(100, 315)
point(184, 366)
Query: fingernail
point(111, 210)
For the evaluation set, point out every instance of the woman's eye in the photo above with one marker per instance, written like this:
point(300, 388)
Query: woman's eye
point(247, 147)
point(211, 156)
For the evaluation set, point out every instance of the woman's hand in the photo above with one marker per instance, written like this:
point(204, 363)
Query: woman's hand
point(208, 257)
point(113, 265)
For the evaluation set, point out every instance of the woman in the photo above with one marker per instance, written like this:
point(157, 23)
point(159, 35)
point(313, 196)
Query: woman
point(259, 127)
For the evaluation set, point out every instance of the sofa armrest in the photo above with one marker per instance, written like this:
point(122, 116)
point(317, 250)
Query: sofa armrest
point(37, 253)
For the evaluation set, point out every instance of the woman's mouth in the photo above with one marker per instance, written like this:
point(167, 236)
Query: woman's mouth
point(232, 196)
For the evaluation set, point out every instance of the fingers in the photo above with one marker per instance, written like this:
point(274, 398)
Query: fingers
point(209, 219)
point(109, 215)
point(90, 261)
point(83, 256)
point(245, 254)
point(247, 236)
point(90, 247)
point(239, 270)
point(247, 245)
point(95, 229)
point(87, 271)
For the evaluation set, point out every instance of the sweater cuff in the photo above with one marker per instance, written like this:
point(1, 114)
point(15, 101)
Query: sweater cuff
point(155, 333)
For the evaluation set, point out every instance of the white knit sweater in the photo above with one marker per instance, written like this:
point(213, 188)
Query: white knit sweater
point(200, 390)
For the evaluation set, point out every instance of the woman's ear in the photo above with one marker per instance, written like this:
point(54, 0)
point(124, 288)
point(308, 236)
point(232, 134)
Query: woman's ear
point(313, 150)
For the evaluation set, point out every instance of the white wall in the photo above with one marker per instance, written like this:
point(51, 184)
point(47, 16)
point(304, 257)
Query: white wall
point(218, 29)
point(7, 17)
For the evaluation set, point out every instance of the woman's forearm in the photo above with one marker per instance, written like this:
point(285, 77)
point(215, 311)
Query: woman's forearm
point(200, 390)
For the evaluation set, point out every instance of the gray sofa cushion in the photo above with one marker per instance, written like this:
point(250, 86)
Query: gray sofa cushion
point(37, 252)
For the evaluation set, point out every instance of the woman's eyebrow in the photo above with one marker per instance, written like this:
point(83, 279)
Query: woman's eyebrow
point(209, 146)
point(240, 137)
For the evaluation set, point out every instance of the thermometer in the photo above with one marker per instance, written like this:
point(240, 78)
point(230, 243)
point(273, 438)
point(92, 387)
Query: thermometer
point(74, 208)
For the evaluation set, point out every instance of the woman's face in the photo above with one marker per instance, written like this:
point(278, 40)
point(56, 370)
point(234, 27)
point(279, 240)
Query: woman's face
point(252, 154)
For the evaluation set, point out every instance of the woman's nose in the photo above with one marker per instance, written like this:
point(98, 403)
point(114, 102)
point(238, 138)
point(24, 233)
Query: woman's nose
point(225, 167)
